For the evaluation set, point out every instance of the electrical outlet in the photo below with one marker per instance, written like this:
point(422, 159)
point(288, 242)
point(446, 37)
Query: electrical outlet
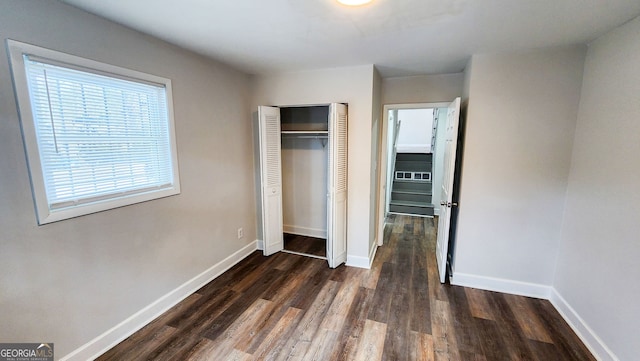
point(240, 233)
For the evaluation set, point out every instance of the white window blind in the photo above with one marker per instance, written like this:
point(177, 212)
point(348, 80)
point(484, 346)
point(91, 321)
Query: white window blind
point(101, 136)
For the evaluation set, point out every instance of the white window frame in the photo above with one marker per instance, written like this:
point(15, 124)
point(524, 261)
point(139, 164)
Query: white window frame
point(17, 51)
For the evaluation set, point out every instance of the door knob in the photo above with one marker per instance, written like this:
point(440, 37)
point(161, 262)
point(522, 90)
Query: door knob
point(442, 203)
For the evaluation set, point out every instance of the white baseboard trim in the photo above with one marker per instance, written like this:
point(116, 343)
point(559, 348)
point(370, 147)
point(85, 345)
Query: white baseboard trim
point(304, 231)
point(372, 254)
point(356, 261)
point(363, 262)
point(597, 347)
point(501, 285)
point(260, 244)
point(135, 322)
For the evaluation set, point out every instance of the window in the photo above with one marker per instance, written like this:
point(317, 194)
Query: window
point(97, 136)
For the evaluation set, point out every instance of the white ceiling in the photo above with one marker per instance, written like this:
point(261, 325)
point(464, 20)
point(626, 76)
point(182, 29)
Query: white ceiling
point(402, 37)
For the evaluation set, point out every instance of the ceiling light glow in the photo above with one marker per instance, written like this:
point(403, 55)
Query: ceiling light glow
point(354, 2)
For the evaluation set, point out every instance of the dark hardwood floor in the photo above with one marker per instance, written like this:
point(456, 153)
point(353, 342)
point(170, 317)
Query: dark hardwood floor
point(304, 244)
point(289, 307)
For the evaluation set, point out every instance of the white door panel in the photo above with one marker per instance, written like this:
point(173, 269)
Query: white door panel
point(337, 194)
point(271, 179)
point(444, 219)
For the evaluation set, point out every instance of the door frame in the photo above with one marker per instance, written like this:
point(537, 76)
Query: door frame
point(382, 158)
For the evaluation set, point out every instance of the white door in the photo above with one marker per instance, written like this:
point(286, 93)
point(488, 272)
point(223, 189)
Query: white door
point(337, 192)
point(271, 179)
point(446, 201)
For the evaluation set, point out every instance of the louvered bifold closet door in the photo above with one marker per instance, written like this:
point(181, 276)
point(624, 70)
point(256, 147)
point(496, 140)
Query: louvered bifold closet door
point(337, 200)
point(271, 179)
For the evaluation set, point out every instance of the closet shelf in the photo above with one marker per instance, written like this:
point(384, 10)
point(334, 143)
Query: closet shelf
point(306, 133)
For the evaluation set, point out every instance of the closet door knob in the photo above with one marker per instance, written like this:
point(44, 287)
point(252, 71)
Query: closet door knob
point(442, 203)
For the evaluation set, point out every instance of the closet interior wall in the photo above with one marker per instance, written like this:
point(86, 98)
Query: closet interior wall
point(305, 170)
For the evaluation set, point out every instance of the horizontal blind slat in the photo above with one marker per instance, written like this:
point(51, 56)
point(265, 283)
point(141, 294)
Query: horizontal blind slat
point(98, 135)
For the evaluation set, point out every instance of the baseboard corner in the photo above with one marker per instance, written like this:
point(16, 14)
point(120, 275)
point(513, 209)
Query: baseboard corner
point(591, 340)
point(359, 262)
point(305, 231)
point(372, 253)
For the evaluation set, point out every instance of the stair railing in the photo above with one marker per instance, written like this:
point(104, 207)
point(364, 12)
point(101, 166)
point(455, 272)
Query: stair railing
point(394, 147)
point(394, 152)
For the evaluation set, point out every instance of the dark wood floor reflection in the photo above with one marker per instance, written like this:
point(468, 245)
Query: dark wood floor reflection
point(304, 244)
point(289, 307)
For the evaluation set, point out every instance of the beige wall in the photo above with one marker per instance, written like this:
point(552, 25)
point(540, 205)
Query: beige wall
point(598, 268)
point(520, 122)
point(422, 89)
point(70, 281)
point(304, 184)
point(352, 86)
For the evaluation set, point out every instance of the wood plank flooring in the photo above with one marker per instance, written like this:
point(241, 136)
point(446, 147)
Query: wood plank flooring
point(289, 307)
point(304, 244)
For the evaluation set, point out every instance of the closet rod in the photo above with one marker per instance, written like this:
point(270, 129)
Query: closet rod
point(307, 136)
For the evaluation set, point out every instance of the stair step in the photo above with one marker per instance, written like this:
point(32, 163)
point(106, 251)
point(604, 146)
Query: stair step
point(410, 181)
point(416, 192)
point(414, 156)
point(411, 186)
point(411, 166)
point(411, 204)
point(423, 197)
point(404, 207)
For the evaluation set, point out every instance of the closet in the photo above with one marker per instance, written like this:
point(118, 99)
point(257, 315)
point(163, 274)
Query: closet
point(303, 175)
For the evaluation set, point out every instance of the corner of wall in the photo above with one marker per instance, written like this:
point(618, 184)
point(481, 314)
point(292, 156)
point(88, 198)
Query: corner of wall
point(467, 81)
point(363, 262)
point(588, 336)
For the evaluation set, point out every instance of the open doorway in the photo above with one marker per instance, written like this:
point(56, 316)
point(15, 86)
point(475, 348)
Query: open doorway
point(439, 155)
point(411, 161)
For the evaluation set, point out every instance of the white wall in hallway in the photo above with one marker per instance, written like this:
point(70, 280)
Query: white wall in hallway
point(416, 129)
